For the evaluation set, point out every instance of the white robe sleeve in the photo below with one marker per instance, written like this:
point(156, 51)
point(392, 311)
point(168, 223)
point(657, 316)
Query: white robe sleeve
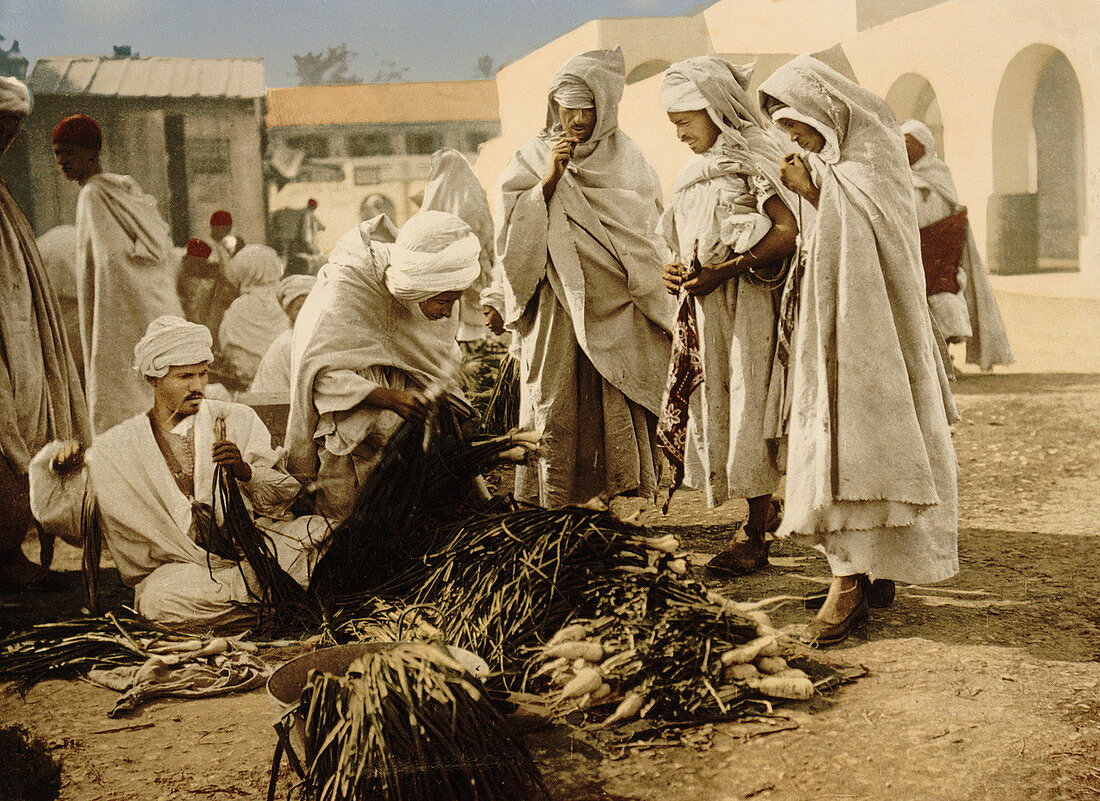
point(57, 500)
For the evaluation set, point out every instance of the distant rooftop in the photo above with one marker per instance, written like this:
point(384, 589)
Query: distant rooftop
point(148, 77)
point(382, 103)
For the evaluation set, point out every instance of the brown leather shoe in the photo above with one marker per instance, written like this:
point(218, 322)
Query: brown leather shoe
point(821, 634)
point(745, 555)
point(880, 596)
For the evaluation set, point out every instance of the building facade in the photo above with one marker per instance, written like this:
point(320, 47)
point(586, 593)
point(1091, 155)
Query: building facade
point(1010, 87)
point(366, 148)
point(189, 130)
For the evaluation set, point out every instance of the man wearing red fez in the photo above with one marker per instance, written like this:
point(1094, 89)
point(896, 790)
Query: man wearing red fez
point(221, 231)
point(40, 395)
point(128, 267)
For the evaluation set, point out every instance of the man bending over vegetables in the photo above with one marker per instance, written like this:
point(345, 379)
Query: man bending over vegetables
point(374, 345)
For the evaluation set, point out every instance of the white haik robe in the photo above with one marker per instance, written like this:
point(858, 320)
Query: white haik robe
point(351, 337)
point(125, 280)
point(871, 471)
point(583, 292)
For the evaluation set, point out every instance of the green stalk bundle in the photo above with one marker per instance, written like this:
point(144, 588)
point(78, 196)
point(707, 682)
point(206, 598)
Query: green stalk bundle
point(508, 581)
point(280, 600)
point(409, 723)
point(71, 648)
point(420, 485)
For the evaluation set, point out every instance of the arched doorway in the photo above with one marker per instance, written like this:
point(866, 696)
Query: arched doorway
point(912, 97)
point(1036, 214)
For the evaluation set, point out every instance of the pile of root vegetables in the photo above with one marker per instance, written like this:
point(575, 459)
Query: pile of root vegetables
point(655, 644)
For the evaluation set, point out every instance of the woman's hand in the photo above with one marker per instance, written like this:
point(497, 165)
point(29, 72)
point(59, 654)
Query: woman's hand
point(559, 158)
point(228, 455)
point(709, 277)
point(796, 177)
point(493, 320)
point(69, 457)
point(673, 275)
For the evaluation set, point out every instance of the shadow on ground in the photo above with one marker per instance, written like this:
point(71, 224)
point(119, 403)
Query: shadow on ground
point(1029, 590)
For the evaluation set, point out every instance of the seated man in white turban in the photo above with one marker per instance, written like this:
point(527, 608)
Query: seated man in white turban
point(153, 476)
point(374, 341)
point(273, 375)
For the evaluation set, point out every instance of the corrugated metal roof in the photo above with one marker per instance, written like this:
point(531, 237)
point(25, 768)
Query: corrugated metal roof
point(382, 103)
point(148, 77)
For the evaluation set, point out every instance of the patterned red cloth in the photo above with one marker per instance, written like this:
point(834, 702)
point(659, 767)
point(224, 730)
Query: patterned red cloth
point(685, 374)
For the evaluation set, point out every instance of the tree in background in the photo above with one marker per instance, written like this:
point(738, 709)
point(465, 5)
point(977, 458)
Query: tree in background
point(329, 67)
point(485, 67)
point(389, 72)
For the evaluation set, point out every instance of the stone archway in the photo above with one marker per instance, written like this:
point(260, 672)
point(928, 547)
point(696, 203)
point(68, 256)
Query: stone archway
point(1036, 214)
point(912, 97)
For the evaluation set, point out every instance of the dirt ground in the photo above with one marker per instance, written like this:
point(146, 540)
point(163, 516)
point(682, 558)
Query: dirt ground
point(984, 687)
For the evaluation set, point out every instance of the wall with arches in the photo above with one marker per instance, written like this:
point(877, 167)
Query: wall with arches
point(1010, 88)
point(1017, 87)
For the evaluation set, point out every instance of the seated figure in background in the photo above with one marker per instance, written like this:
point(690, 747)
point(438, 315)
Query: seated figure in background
point(273, 375)
point(255, 319)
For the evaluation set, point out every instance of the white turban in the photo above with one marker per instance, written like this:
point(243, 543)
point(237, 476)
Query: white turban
point(435, 252)
point(922, 133)
point(569, 92)
point(680, 93)
point(172, 342)
point(293, 287)
point(14, 97)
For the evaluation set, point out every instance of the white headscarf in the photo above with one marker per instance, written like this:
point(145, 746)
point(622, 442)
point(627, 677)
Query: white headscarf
point(172, 341)
point(435, 252)
point(14, 97)
point(930, 170)
point(714, 85)
point(253, 267)
point(293, 287)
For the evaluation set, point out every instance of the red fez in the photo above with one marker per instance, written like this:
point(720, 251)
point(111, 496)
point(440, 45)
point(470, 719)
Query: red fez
point(312, 203)
point(198, 249)
point(221, 217)
point(79, 129)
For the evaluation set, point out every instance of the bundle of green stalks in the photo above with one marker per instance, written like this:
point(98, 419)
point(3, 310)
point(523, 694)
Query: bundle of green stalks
point(71, 648)
point(501, 408)
point(279, 601)
point(508, 581)
point(406, 723)
point(422, 483)
point(653, 643)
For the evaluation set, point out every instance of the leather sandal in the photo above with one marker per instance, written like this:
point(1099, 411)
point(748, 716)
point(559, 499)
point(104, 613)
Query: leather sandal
point(822, 634)
point(743, 557)
point(881, 595)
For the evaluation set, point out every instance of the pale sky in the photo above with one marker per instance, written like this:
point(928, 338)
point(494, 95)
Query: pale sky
point(435, 39)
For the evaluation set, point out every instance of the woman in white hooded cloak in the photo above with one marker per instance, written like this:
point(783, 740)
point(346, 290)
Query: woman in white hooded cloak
point(730, 211)
point(871, 471)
